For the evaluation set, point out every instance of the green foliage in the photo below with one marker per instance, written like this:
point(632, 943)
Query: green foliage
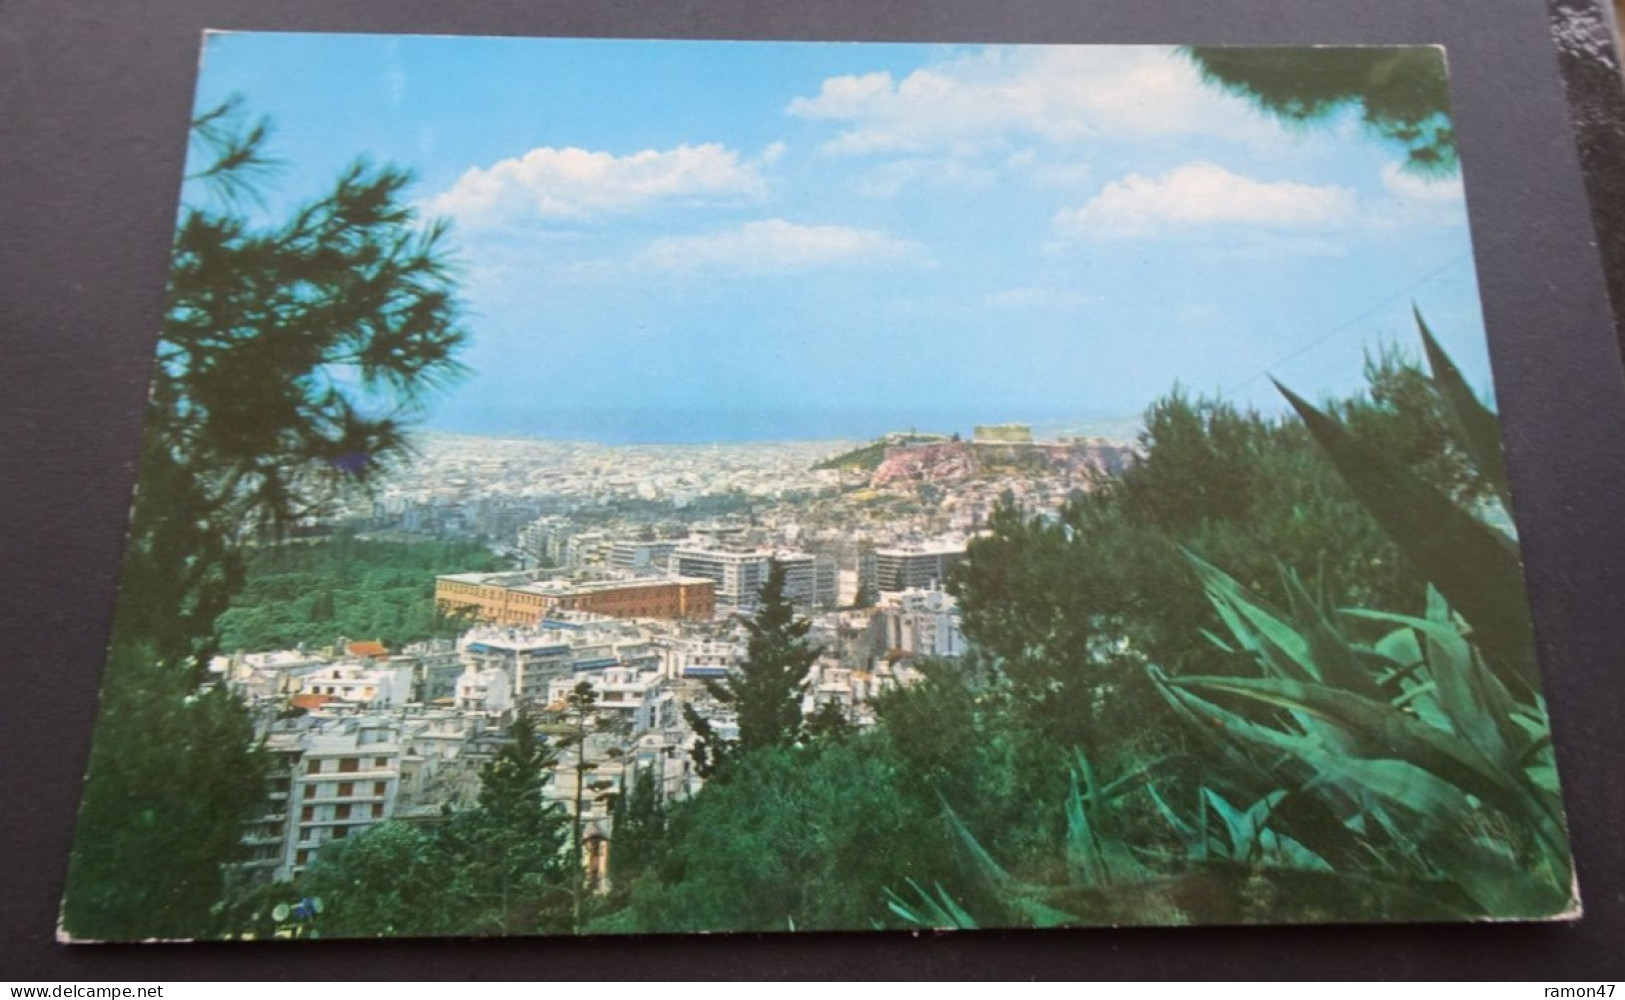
point(971, 746)
point(1401, 93)
point(936, 909)
point(1412, 422)
point(513, 873)
point(1410, 742)
point(171, 780)
point(1349, 765)
point(829, 724)
point(796, 837)
point(865, 459)
point(1475, 566)
point(766, 690)
point(639, 834)
point(1073, 609)
point(315, 592)
point(393, 880)
point(291, 357)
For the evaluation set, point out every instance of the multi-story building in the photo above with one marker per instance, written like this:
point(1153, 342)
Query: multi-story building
point(641, 557)
point(527, 598)
point(526, 658)
point(700, 656)
point(638, 699)
point(642, 597)
point(489, 597)
point(361, 683)
point(435, 664)
point(809, 581)
point(915, 567)
point(334, 776)
point(589, 548)
point(920, 623)
point(530, 660)
point(344, 782)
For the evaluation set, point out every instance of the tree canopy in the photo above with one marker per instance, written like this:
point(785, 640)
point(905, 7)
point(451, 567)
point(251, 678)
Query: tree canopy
point(1401, 93)
point(292, 356)
point(766, 690)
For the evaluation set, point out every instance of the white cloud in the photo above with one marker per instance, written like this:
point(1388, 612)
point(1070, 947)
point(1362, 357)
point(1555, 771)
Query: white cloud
point(1203, 194)
point(887, 180)
point(573, 183)
point(1416, 202)
point(970, 102)
point(1410, 187)
point(1062, 175)
point(772, 154)
point(1037, 297)
point(775, 245)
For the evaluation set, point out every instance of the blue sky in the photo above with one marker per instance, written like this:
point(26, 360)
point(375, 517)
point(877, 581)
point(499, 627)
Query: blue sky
point(730, 240)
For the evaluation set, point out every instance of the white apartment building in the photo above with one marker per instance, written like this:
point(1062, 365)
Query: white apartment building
point(364, 684)
point(921, 623)
point(915, 567)
point(639, 699)
point(809, 581)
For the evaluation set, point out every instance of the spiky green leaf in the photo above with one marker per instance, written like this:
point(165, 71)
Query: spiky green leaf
point(1475, 567)
point(1477, 427)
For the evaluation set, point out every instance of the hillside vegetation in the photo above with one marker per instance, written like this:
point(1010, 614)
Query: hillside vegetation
point(869, 457)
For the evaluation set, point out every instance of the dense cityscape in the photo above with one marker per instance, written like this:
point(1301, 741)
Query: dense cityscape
point(632, 569)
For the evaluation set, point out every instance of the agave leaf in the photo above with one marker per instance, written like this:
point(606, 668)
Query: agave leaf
point(1093, 857)
point(1491, 876)
point(955, 911)
point(940, 913)
point(1217, 640)
point(1544, 777)
point(1476, 703)
point(1122, 784)
point(1289, 852)
point(1024, 897)
point(1474, 566)
point(1476, 425)
point(1083, 862)
point(1377, 730)
point(1401, 647)
point(989, 868)
point(1403, 654)
point(1499, 883)
point(1237, 825)
point(1432, 802)
point(1329, 648)
point(1193, 839)
point(1257, 818)
point(1275, 661)
point(1225, 725)
point(1286, 650)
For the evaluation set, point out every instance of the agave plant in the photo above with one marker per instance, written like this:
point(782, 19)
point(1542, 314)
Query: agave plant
point(1429, 744)
point(1431, 769)
point(1374, 764)
point(1234, 865)
point(1105, 881)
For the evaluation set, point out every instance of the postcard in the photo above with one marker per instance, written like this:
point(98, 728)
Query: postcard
point(615, 486)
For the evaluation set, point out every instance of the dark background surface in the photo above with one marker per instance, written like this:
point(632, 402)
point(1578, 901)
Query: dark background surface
point(94, 102)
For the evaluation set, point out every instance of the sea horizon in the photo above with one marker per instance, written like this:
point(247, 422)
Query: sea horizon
point(679, 427)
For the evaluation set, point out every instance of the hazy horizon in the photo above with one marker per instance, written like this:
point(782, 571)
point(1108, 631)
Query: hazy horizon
point(636, 426)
